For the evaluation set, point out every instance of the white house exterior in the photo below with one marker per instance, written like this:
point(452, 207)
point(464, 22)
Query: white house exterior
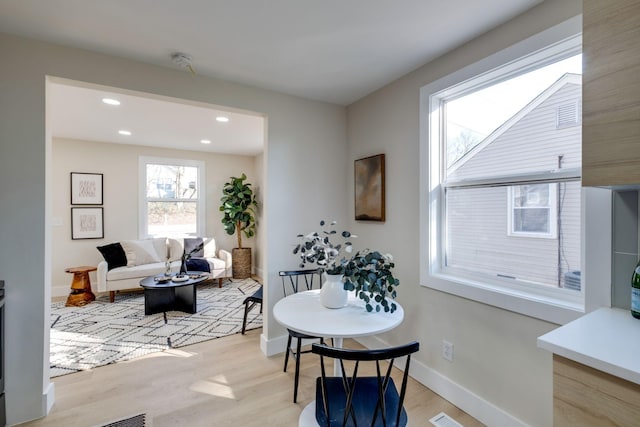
point(490, 228)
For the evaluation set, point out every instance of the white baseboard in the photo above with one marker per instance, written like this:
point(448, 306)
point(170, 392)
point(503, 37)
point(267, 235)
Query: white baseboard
point(49, 398)
point(474, 405)
point(273, 346)
point(58, 291)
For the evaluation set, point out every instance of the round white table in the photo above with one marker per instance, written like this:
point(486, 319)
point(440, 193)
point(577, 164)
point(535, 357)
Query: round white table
point(302, 312)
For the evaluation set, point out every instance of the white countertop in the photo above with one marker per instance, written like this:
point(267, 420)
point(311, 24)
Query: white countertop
point(607, 339)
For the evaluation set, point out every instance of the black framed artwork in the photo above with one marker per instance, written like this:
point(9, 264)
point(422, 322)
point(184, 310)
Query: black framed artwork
point(369, 188)
point(86, 188)
point(87, 223)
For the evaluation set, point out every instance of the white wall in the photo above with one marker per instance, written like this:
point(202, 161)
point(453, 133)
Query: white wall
point(498, 373)
point(304, 177)
point(119, 165)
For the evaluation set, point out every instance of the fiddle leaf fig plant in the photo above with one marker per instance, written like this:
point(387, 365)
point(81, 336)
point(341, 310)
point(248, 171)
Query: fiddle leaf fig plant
point(238, 204)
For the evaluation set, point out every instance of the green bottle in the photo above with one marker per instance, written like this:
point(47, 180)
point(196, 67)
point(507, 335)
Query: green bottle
point(635, 292)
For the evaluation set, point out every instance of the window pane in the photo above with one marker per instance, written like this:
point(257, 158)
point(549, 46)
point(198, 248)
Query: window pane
point(486, 114)
point(532, 220)
point(171, 182)
point(477, 240)
point(531, 195)
point(171, 218)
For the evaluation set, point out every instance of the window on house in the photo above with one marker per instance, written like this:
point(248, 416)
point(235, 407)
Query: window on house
point(172, 197)
point(504, 176)
point(533, 210)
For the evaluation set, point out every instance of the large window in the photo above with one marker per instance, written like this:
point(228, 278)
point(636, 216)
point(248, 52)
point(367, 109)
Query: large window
point(171, 202)
point(504, 163)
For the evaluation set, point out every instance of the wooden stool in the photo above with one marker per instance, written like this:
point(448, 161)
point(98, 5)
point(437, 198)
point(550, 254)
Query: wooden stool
point(81, 293)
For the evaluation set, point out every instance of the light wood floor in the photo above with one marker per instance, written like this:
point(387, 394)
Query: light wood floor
point(222, 382)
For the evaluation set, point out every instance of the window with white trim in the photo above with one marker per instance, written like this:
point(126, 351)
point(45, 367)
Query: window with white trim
point(171, 197)
point(504, 193)
point(533, 210)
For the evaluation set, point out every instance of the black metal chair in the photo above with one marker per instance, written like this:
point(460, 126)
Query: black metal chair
point(353, 400)
point(250, 302)
point(292, 282)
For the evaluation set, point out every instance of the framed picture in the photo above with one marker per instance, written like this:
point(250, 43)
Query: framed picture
point(87, 223)
point(369, 188)
point(86, 188)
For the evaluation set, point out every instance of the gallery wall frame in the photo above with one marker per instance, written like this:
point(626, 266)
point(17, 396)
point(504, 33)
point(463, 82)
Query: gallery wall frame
point(86, 188)
point(87, 223)
point(369, 188)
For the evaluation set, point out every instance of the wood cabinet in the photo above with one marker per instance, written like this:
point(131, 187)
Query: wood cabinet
point(583, 396)
point(611, 93)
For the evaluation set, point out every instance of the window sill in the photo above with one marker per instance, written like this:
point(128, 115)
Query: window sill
point(529, 304)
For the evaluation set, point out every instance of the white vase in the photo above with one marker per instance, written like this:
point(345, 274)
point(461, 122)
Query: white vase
point(332, 294)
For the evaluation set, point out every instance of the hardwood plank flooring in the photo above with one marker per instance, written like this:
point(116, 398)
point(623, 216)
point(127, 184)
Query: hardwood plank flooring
point(222, 382)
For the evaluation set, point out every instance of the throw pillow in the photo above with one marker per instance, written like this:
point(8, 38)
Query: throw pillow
point(140, 252)
point(192, 243)
point(114, 255)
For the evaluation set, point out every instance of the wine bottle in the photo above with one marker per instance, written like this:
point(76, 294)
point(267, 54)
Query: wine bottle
point(635, 292)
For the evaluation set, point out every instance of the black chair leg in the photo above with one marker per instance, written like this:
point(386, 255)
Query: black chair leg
point(286, 355)
point(244, 320)
point(297, 375)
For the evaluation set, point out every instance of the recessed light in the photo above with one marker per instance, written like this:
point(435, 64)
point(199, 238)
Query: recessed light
point(110, 101)
point(124, 132)
point(222, 119)
point(205, 141)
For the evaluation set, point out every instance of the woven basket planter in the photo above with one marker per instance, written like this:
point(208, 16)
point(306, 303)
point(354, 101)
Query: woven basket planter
point(241, 267)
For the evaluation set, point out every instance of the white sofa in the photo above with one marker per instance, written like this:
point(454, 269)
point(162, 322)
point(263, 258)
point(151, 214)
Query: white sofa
point(147, 257)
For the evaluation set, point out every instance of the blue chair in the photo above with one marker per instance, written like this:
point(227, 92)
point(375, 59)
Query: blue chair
point(353, 400)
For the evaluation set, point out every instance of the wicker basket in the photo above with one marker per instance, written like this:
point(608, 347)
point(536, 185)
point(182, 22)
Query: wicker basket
point(241, 267)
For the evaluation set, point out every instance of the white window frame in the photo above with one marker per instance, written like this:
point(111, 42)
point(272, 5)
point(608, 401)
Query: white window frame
point(554, 305)
point(143, 161)
point(553, 215)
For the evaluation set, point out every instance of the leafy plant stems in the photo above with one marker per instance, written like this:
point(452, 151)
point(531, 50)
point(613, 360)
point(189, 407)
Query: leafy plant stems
point(238, 203)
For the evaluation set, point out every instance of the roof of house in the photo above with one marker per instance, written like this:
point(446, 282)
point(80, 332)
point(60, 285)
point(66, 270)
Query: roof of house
point(567, 78)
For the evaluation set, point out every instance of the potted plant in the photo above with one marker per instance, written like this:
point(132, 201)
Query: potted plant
point(369, 274)
point(238, 203)
point(317, 248)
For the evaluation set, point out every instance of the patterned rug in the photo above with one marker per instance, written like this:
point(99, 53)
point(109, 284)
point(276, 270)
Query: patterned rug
point(101, 332)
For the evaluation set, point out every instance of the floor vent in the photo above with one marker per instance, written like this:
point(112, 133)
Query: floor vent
point(444, 420)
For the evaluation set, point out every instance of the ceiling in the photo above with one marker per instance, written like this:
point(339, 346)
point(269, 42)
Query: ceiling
point(334, 51)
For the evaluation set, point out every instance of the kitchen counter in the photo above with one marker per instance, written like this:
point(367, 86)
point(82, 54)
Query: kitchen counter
point(607, 339)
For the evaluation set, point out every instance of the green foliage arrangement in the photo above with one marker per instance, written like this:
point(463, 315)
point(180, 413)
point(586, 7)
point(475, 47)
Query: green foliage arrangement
point(369, 274)
point(317, 248)
point(238, 204)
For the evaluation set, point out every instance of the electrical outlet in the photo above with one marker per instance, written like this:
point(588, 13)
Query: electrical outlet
point(447, 350)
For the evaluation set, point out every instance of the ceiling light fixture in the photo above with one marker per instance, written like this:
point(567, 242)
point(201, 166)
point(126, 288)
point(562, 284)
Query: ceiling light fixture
point(183, 60)
point(205, 141)
point(110, 101)
point(222, 119)
point(125, 132)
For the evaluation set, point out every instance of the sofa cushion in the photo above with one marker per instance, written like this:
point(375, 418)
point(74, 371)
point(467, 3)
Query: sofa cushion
point(210, 248)
point(114, 255)
point(191, 243)
point(140, 252)
point(216, 264)
point(135, 272)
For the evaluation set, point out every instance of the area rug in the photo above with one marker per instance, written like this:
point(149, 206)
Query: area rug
point(101, 332)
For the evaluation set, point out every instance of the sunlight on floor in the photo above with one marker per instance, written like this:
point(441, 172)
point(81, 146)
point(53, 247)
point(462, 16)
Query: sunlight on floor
point(215, 387)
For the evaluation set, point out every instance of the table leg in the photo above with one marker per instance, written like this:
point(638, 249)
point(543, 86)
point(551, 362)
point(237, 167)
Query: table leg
point(337, 342)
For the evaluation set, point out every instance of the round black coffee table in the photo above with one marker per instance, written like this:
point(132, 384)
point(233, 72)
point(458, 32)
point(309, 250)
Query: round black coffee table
point(166, 294)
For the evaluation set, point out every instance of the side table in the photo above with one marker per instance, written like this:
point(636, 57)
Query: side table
point(81, 293)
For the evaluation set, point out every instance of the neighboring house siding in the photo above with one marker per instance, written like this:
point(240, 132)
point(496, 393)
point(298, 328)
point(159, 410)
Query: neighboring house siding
point(477, 218)
point(533, 144)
